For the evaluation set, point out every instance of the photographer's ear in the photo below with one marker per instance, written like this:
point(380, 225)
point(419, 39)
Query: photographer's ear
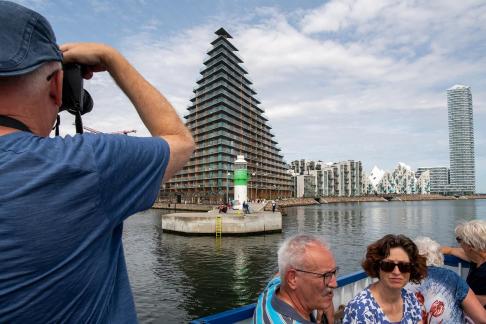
point(55, 87)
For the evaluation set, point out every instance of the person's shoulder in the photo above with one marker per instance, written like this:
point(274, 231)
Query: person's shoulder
point(50, 147)
point(274, 282)
point(361, 309)
point(106, 144)
point(100, 138)
point(482, 267)
point(408, 294)
point(411, 299)
point(444, 275)
point(360, 298)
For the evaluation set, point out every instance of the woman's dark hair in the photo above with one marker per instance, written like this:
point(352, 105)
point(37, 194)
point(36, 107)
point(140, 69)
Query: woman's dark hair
point(380, 250)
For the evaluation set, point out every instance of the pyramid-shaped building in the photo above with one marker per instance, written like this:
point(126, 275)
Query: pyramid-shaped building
point(225, 121)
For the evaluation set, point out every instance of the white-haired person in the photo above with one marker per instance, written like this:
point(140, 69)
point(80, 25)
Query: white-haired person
point(471, 236)
point(307, 278)
point(445, 297)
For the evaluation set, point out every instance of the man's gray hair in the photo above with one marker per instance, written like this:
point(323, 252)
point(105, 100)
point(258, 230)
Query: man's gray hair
point(30, 82)
point(473, 233)
point(431, 250)
point(292, 251)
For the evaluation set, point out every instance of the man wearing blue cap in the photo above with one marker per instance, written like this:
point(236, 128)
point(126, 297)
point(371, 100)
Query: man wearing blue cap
point(63, 200)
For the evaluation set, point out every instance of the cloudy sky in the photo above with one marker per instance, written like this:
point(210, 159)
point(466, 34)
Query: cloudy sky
point(351, 79)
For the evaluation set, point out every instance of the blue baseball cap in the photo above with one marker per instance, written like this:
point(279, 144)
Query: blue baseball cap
point(26, 40)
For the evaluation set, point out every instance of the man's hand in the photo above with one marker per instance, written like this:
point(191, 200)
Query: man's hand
point(156, 112)
point(93, 56)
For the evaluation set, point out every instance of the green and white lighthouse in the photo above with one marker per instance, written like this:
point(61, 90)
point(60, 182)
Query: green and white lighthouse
point(240, 182)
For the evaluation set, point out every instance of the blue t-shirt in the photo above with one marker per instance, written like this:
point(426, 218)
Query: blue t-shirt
point(363, 308)
point(62, 206)
point(441, 295)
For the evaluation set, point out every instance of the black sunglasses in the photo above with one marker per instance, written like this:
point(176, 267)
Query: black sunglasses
point(389, 266)
point(459, 240)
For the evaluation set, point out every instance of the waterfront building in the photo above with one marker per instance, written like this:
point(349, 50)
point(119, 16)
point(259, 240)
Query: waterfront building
point(461, 140)
point(423, 184)
point(341, 179)
point(226, 120)
point(305, 185)
point(374, 179)
point(402, 180)
point(305, 166)
point(439, 179)
point(386, 184)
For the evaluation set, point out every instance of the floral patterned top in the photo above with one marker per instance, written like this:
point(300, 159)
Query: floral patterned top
point(441, 295)
point(363, 308)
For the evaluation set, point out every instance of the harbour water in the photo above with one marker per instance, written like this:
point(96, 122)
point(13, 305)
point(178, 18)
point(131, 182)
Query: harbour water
point(176, 278)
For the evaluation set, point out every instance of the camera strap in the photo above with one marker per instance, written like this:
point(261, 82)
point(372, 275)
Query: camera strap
point(13, 123)
point(58, 122)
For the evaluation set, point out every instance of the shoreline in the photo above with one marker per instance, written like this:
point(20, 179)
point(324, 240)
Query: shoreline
point(295, 202)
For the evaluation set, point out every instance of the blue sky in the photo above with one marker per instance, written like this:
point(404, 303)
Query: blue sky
point(351, 79)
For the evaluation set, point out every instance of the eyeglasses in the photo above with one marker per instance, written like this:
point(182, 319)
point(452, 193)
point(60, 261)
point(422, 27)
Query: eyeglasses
point(459, 240)
point(326, 276)
point(389, 266)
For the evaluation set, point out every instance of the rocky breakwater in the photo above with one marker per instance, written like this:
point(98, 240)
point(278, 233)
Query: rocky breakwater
point(333, 200)
point(290, 202)
point(424, 197)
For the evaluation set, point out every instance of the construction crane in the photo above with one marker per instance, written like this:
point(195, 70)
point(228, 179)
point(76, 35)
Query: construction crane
point(124, 132)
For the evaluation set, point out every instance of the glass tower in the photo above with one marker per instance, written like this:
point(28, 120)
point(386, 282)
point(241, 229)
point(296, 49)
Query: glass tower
point(225, 120)
point(461, 140)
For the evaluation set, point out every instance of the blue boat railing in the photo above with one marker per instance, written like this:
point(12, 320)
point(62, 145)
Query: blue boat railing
point(246, 312)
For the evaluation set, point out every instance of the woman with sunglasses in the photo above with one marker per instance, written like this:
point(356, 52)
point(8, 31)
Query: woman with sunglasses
point(394, 260)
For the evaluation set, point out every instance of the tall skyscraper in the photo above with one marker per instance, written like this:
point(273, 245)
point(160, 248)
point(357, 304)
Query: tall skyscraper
point(225, 120)
point(461, 140)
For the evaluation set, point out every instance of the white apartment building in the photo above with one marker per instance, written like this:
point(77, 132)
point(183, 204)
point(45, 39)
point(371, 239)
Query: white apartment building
point(438, 178)
point(402, 180)
point(329, 179)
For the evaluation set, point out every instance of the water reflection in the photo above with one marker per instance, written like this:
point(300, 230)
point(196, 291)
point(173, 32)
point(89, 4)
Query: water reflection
point(177, 278)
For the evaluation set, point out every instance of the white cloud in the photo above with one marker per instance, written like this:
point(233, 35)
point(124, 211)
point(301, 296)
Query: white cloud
point(337, 15)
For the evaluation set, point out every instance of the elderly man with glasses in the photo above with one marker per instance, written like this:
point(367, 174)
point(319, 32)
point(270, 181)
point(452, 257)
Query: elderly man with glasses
point(307, 278)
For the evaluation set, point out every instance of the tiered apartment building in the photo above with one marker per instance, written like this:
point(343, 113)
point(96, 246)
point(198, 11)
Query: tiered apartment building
point(225, 120)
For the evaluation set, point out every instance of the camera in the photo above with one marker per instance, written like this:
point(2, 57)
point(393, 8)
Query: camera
point(74, 98)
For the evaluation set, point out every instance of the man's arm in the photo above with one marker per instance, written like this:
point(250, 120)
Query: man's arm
point(156, 112)
point(457, 252)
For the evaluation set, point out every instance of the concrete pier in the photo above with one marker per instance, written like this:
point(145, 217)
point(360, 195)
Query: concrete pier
point(233, 222)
